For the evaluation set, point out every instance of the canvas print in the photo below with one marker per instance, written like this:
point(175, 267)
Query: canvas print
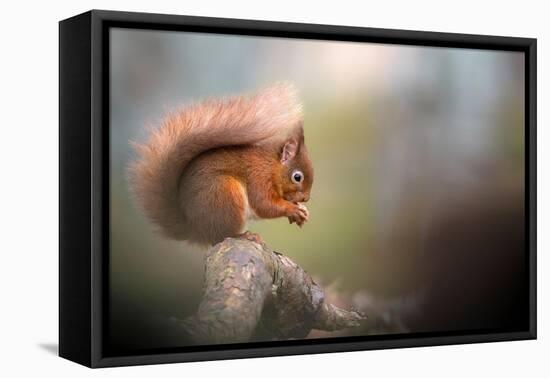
point(291, 190)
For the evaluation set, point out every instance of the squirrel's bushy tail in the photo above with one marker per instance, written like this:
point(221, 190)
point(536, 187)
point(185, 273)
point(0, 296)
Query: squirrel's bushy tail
point(267, 117)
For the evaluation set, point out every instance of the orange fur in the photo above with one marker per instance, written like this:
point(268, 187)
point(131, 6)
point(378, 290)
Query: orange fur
point(197, 176)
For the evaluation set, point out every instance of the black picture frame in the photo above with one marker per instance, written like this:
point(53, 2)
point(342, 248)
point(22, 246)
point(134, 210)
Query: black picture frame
point(84, 186)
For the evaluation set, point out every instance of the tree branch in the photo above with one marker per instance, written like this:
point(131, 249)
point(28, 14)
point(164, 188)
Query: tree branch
point(254, 293)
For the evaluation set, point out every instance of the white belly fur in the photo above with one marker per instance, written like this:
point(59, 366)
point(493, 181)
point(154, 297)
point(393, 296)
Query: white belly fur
point(249, 212)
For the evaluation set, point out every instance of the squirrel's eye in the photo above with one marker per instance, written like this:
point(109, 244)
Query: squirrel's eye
point(297, 177)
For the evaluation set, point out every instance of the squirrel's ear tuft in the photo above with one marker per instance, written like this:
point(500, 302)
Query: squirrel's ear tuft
point(289, 151)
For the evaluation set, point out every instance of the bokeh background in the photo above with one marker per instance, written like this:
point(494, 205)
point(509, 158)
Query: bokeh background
point(417, 210)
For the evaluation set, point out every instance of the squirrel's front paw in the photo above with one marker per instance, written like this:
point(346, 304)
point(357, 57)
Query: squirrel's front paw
point(299, 214)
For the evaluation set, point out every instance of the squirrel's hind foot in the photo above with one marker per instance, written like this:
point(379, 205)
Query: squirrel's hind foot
point(252, 237)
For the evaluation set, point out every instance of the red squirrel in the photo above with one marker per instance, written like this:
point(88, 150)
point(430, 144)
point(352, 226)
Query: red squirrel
point(214, 165)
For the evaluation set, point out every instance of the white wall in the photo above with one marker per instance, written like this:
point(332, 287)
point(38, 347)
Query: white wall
point(28, 207)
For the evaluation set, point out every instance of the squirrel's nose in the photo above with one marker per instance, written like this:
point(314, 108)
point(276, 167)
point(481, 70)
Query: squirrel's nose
point(305, 198)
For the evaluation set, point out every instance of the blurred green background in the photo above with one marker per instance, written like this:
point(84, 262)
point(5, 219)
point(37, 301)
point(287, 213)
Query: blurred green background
point(417, 207)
